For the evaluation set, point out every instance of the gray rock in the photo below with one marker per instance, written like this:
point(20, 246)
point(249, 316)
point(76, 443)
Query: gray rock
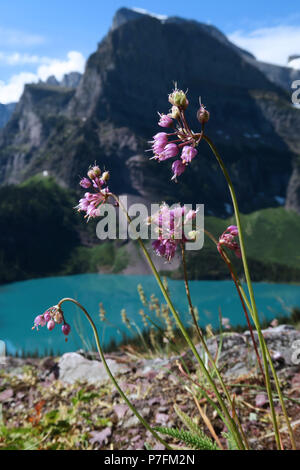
point(130, 422)
point(73, 367)
point(156, 364)
point(239, 369)
point(237, 352)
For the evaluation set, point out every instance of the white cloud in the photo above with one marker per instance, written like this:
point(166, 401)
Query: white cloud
point(295, 63)
point(74, 63)
point(12, 89)
point(13, 37)
point(272, 44)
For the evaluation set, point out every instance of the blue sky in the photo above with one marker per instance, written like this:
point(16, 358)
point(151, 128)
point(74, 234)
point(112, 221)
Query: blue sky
point(40, 38)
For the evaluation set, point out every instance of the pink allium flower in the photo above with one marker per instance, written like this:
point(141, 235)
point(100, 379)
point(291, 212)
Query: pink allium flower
point(188, 153)
point(47, 316)
point(159, 247)
point(159, 142)
point(91, 201)
point(178, 168)
point(52, 316)
point(85, 183)
point(190, 215)
point(227, 239)
point(170, 150)
point(165, 121)
point(169, 225)
point(181, 132)
point(39, 321)
point(66, 329)
point(233, 230)
point(90, 204)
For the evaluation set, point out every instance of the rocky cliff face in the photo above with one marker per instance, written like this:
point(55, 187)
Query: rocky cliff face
point(282, 76)
point(6, 111)
point(24, 140)
point(69, 80)
point(112, 114)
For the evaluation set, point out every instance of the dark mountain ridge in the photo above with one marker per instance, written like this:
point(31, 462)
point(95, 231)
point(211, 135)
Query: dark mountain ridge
point(112, 114)
point(6, 111)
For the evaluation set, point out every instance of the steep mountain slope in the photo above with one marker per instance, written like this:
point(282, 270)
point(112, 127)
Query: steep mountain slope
point(112, 114)
point(6, 111)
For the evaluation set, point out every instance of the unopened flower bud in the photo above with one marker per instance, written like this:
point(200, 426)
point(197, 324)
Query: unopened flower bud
point(66, 329)
point(96, 170)
point(105, 176)
point(175, 113)
point(50, 325)
point(58, 317)
point(91, 174)
point(178, 98)
point(193, 234)
point(202, 114)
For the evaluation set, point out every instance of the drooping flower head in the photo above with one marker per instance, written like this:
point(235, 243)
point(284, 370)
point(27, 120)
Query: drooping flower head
point(91, 202)
point(169, 224)
point(54, 315)
point(228, 240)
point(180, 138)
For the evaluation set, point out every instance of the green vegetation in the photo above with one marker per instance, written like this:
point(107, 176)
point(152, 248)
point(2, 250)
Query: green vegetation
point(273, 249)
point(106, 256)
point(41, 235)
point(37, 229)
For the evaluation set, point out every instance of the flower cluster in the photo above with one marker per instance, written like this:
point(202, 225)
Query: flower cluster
point(227, 239)
point(91, 201)
point(169, 225)
point(52, 316)
point(184, 139)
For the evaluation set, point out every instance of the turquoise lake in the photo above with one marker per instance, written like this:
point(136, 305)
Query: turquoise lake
point(21, 302)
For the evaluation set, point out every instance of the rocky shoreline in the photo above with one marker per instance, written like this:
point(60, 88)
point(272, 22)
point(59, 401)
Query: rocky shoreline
point(36, 389)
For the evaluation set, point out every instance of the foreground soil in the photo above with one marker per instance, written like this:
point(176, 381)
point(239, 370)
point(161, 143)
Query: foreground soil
point(41, 412)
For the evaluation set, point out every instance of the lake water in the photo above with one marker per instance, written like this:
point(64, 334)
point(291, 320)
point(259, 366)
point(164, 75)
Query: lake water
point(21, 302)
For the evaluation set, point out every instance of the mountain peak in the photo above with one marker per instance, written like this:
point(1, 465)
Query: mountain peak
point(123, 15)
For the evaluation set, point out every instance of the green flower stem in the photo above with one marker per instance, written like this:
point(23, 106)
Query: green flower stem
point(277, 384)
point(133, 409)
point(226, 259)
point(230, 422)
point(250, 288)
point(188, 294)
